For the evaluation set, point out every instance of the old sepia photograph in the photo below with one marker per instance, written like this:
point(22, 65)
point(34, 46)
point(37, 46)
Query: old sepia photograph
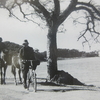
point(49, 49)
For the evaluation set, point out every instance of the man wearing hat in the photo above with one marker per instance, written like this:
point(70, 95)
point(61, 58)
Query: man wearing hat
point(3, 49)
point(26, 53)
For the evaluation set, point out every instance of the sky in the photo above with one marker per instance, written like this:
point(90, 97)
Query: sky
point(15, 31)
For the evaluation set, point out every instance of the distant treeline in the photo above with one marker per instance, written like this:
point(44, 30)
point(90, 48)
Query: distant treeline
point(61, 53)
point(67, 53)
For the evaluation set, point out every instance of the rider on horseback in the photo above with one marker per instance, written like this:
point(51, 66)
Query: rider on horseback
point(3, 49)
point(26, 53)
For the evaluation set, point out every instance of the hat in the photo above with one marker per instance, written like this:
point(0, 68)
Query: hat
point(25, 42)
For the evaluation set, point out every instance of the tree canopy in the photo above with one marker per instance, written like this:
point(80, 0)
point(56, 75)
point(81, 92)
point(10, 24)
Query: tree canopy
point(57, 11)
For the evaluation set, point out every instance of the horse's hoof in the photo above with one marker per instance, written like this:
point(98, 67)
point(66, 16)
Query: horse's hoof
point(4, 83)
point(1, 83)
point(15, 83)
point(20, 83)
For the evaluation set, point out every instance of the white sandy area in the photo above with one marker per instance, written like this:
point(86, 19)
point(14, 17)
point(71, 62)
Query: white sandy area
point(12, 92)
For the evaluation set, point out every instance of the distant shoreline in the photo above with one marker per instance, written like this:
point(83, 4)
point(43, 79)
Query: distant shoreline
point(61, 58)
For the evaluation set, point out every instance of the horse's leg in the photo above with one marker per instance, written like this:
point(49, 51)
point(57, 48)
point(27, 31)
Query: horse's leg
point(5, 68)
point(13, 70)
point(1, 71)
point(1, 74)
point(19, 72)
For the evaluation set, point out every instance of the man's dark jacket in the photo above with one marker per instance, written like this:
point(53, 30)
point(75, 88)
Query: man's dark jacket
point(27, 53)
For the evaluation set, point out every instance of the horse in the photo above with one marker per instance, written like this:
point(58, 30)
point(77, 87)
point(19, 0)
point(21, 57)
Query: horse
point(5, 60)
point(13, 61)
point(17, 63)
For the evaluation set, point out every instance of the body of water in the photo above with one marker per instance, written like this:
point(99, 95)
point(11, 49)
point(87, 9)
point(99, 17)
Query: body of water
point(86, 70)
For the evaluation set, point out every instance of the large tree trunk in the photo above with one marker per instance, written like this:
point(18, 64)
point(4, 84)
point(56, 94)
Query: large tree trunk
point(52, 52)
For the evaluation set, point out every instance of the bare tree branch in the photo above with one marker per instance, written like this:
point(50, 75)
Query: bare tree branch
point(91, 6)
point(57, 7)
point(41, 8)
point(11, 14)
point(67, 11)
point(91, 18)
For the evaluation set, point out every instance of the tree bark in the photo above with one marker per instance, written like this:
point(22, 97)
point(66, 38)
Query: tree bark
point(51, 52)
